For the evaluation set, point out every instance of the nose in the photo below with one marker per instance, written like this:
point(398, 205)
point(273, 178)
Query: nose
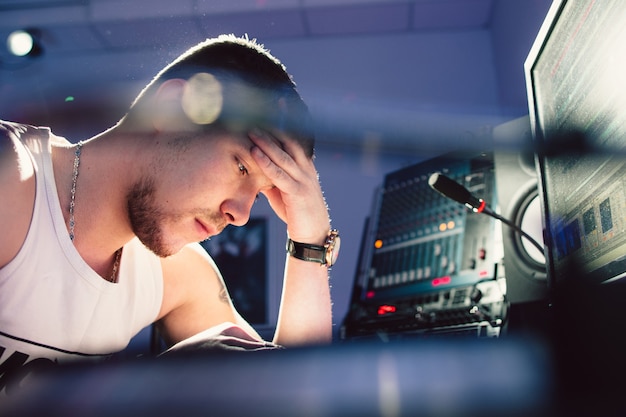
point(237, 209)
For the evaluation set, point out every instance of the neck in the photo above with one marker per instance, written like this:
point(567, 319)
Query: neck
point(101, 226)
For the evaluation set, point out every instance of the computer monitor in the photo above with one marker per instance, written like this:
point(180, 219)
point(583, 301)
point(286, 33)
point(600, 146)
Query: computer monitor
point(576, 84)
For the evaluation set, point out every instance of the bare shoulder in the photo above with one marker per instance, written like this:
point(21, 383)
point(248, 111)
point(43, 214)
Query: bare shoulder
point(194, 295)
point(184, 273)
point(12, 151)
point(17, 190)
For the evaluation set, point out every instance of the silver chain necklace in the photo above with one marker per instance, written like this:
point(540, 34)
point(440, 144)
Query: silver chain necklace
point(118, 253)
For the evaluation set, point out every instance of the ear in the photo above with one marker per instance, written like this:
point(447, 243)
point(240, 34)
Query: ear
point(168, 114)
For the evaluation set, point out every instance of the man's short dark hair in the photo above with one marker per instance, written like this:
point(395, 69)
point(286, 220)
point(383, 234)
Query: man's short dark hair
point(256, 90)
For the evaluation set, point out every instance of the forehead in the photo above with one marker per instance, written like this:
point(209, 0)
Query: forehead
point(236, 139)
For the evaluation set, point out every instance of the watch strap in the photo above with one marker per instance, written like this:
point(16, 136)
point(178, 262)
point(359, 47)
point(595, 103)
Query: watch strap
point(325, 255)
point(306, 251)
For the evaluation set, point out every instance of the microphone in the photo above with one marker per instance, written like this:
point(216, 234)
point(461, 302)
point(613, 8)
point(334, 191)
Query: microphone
point(455, 191)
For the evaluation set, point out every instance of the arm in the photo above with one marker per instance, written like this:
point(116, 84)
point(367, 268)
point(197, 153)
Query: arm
point(305, 315)
point(195, 296)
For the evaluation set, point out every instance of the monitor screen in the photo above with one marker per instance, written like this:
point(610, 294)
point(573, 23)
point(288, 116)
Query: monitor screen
point(576, 83)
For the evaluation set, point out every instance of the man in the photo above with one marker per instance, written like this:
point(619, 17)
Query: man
point(100, 237)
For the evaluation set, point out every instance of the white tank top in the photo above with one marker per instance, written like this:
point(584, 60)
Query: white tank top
point(52, 304)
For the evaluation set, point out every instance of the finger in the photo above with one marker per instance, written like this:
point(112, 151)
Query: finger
point(278, 165)
point(281, 149)
point(290, 145)
point(270, 168)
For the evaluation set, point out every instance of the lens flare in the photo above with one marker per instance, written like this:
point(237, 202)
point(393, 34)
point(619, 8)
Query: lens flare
point(202, 98)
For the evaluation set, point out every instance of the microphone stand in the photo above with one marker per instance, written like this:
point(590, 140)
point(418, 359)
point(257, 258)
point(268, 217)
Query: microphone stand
point(455, 191)
point(512, 225)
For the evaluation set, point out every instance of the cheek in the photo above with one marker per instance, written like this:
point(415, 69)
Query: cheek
point(199, 195)
point(197, 183)
point(183, 187)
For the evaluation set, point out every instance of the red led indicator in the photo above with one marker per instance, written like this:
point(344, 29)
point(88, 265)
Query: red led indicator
point(370, 294)
point(386, 309)
point(441, 281)
point(483, 273)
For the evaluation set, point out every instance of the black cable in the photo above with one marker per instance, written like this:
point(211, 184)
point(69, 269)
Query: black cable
point(455, 191)
point(512, 225)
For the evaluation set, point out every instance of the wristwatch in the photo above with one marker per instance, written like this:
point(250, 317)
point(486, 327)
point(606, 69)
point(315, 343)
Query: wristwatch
point(325, 255)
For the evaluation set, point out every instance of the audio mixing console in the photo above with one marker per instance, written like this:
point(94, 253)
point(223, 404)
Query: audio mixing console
point(429, 264)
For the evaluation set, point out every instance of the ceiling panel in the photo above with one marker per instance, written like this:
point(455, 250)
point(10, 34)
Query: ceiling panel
point(58, 15)
point(75, 38)
point(338, 3)
point(450, 14)
point(219, 7)
point(157, 33)
point(36, 4)
point(139, 9)
point(358, 19)
point(260, 24)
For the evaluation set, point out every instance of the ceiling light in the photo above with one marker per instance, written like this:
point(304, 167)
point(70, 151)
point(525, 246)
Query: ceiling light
point(23, 43)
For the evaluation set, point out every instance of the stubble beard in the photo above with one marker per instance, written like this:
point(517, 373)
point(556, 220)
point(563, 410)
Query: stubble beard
point(146, 218)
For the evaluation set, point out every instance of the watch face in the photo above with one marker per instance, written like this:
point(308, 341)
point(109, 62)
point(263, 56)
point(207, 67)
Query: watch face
point(334, 244)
